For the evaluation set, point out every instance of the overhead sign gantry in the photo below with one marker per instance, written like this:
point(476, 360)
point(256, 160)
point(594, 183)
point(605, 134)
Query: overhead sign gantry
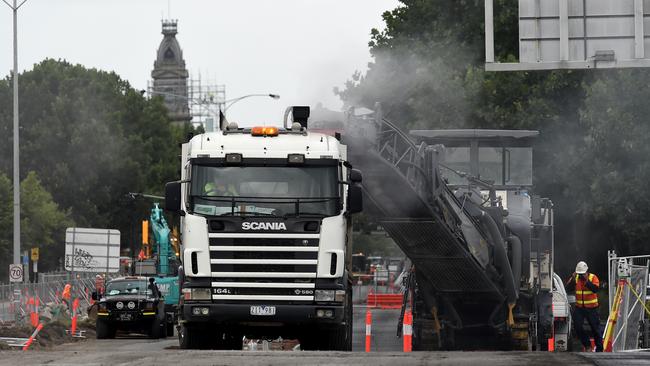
point(575, 34)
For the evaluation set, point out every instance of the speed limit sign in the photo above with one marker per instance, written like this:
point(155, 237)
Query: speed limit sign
point(16, 273)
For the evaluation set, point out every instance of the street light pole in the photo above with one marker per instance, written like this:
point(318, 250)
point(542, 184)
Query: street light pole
point(226, 104)
point(16, 177)
point(235, 100)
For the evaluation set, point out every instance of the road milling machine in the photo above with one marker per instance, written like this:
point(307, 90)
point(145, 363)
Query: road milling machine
point(459, 205)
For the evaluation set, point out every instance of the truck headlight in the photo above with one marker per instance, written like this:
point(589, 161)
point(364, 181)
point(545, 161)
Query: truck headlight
point(197, 294)
point(200, 310)
point(325, 313)
point(329, 295)
point(340, 296)
point(324, 295)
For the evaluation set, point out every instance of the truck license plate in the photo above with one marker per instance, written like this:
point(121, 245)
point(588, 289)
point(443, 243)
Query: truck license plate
point(263, 310)
point(126, 317)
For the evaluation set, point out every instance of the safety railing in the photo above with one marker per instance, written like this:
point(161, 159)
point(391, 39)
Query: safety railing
point(394, 146)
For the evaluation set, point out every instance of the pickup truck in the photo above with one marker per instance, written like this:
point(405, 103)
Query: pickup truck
point(131, 304)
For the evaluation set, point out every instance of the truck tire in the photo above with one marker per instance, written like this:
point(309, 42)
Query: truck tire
point(104, 330)
point(155, 329)
point(338, 338)
point(163, 329)
point(341, 336)
point(170, 329)
point(311, 342)
point(189, 338)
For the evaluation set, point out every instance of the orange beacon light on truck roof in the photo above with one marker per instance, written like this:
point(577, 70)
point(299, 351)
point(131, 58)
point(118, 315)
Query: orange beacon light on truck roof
point(264, 131)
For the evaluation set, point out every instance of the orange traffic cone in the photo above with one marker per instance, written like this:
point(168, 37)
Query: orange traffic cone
point(407, 330)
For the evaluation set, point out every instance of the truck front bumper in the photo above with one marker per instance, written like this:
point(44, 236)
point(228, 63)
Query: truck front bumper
point(285, 314)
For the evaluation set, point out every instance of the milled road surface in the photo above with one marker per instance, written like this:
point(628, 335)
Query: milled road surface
point(386, 350)
point(144, 352)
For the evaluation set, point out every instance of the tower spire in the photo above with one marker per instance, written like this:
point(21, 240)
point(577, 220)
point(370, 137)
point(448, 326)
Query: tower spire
point(170, 74)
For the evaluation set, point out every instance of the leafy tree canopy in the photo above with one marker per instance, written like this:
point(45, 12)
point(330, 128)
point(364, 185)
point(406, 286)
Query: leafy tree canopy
point(91, 138)
point(42, 222)
point(591, 158)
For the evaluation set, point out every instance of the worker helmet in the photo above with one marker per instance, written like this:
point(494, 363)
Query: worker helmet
point(581, 267)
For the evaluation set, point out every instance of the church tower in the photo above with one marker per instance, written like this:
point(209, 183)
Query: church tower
point(170, 75)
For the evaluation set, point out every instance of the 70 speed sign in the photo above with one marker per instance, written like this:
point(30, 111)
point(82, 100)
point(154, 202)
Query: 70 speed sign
point(16, 273)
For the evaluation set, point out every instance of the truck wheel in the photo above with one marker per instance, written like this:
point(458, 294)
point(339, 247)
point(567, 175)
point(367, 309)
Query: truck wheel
point(170, 329)
point(168, 324)
point(189, 338)
point(104, 330)
point(315, 341)
point(156, 329)
point(163, 329)
point(340, 338)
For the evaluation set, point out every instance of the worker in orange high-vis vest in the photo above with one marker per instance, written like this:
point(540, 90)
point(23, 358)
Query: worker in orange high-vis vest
point(65, 295)
point(586, 288)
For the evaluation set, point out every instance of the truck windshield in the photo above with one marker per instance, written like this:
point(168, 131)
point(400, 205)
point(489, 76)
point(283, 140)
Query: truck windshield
point(136, 287)
point(265, 190)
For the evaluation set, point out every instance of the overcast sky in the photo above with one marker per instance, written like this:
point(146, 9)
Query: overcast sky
point(299, 49)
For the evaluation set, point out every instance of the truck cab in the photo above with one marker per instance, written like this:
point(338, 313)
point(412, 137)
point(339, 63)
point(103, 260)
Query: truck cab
point(265, 221)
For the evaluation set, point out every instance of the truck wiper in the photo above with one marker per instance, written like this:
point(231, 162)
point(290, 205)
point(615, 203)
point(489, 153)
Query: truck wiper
point(249, 214)
point(305, 214)
point(213, 198)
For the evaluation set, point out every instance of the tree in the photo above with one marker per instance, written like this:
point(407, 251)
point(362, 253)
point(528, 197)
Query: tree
point(42, 222)
point(92, 139)
point(6, 225)
point(591, 157)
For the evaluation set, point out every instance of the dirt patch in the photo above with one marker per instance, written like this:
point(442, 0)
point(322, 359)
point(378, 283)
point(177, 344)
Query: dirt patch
point(16, 332)
point(52, 334)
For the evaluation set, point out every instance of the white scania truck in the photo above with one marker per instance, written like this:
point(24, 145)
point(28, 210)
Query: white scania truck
point(266, 235)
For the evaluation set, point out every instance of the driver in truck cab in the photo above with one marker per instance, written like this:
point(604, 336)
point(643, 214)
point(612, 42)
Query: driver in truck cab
point(220, 189)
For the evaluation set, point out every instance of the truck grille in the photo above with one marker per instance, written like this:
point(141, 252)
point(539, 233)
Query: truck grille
point(262, 268)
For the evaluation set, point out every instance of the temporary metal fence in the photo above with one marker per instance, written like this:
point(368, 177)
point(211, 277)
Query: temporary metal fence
point(612, 262)
point(631, 310)
point(63, 276)
point(15, 298)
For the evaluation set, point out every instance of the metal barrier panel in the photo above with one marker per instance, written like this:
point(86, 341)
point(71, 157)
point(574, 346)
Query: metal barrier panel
point(631, 311)
point(612, 278)
point(13, 297)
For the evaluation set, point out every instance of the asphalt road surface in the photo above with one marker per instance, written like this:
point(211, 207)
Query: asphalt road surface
point(165, 352)
point(386, 350)
point(384, 330)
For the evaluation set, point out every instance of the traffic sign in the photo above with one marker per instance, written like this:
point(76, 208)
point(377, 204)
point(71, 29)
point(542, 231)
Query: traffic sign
point(16, 273)
point(34, 254)
point(92, 250)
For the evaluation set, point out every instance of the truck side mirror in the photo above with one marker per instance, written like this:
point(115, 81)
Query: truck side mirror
point(355, 199)
point(94, 295)
point(355, 176)
point(173, 196)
